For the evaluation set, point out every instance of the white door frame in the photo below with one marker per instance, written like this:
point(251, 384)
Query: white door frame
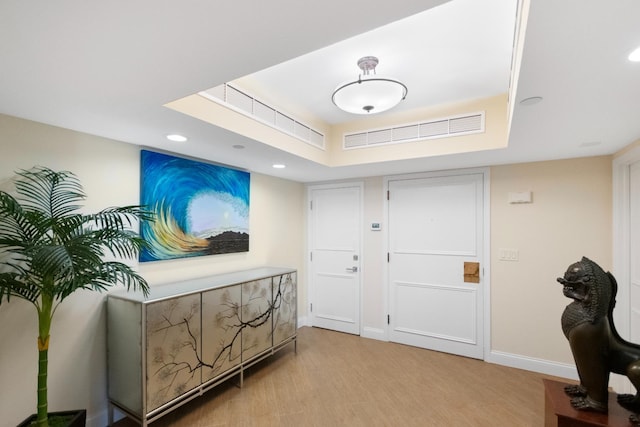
point(309, 245)
point(621, 243)
point(486, 274)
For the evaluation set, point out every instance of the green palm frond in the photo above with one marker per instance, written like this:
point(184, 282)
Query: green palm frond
point(46, 242)
point(13, 221)
point(11, 286)
point(55, 194)
point(101, 278)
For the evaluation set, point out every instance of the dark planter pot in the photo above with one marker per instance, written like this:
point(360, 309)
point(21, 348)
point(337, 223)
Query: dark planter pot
point(78, 418)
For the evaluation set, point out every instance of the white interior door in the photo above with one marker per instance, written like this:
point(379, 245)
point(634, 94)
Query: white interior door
point(626, 253)
point(335, 238)
point(634, 252)
point(435, 227)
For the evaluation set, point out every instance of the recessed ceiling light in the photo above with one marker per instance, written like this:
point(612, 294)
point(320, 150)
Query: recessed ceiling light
point(531, 100)
point(176, 138)
point(279, 166)
point(635, 55)
point(238, 146)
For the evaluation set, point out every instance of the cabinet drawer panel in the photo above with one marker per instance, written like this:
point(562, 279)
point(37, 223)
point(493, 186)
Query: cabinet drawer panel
point(221, 331)
point(285, 303)
point(173, 349)
point(257, 314)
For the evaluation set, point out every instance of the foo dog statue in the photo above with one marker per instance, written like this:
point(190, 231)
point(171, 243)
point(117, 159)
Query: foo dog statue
point(597, 349)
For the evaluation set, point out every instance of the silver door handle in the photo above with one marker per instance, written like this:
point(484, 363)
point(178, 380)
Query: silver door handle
point(353, 269)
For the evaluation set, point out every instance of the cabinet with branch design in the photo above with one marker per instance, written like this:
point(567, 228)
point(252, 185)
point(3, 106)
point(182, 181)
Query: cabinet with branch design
point(185, 338)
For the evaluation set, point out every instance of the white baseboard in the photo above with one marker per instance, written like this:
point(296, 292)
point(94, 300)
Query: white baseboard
point(302, 321)
point(542, 366)
point(367, 332)
point(373, 333)
point(619, 383)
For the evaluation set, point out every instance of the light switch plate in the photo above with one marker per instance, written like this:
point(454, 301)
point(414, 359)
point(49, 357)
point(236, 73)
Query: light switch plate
point(508, 254)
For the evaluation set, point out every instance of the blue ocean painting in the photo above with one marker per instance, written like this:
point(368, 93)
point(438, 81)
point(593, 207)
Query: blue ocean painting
point(200, 208)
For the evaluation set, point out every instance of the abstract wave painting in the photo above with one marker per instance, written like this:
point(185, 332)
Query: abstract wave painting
point(201, 208)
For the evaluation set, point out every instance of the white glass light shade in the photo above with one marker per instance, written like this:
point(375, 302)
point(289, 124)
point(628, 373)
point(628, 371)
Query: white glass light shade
point(369, 95)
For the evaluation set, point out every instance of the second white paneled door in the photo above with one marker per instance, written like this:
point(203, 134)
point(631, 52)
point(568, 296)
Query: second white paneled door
point(634, 252)
point(435, 236)
point(335, 234)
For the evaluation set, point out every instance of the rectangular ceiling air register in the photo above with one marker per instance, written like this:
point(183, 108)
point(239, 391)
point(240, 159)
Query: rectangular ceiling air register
point(248, 105)
point(465, 124)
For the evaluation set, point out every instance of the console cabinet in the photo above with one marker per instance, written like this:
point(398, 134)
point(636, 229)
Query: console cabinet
point(187, 337)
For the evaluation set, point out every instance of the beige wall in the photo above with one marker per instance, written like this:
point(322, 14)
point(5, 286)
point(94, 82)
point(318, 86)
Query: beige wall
point(571, 216)
point(109, 171)
point(374, 258)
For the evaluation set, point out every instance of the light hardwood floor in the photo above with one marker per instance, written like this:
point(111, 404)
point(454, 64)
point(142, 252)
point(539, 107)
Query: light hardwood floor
point(337, 379)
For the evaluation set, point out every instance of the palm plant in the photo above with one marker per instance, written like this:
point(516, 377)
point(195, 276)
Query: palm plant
point(48, 250)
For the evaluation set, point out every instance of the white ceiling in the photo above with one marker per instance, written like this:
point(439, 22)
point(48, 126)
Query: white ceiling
point(459, 50)
point(107, 68)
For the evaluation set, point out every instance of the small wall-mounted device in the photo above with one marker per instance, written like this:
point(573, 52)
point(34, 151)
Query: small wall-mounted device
point(520, 197)
point(375, 226)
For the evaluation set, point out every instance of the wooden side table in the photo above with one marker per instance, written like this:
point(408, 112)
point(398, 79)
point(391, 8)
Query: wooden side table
point(558, 411)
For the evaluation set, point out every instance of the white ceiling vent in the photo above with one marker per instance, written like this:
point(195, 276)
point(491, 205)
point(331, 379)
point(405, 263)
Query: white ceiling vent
point(441, 128)
point(241, 102)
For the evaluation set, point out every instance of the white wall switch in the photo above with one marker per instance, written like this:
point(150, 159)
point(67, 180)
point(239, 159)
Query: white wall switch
point(506, 254)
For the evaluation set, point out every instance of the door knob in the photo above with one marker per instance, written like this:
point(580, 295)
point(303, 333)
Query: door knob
point(353, 269)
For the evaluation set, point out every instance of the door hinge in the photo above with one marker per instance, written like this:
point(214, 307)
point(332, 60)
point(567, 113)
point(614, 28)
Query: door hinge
point(388, 192)
point(311, 307)
point(388, 257)
point(311, 205)
point(388, 319)
point(310, 256)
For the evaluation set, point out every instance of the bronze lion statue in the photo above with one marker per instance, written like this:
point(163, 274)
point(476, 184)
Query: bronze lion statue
point(597, 349)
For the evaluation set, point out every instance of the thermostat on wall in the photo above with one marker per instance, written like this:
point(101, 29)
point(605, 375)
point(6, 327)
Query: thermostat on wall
point(375, 226)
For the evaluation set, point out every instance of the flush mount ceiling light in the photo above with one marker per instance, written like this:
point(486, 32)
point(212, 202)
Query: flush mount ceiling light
point(635, 55)
point(369, 94)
